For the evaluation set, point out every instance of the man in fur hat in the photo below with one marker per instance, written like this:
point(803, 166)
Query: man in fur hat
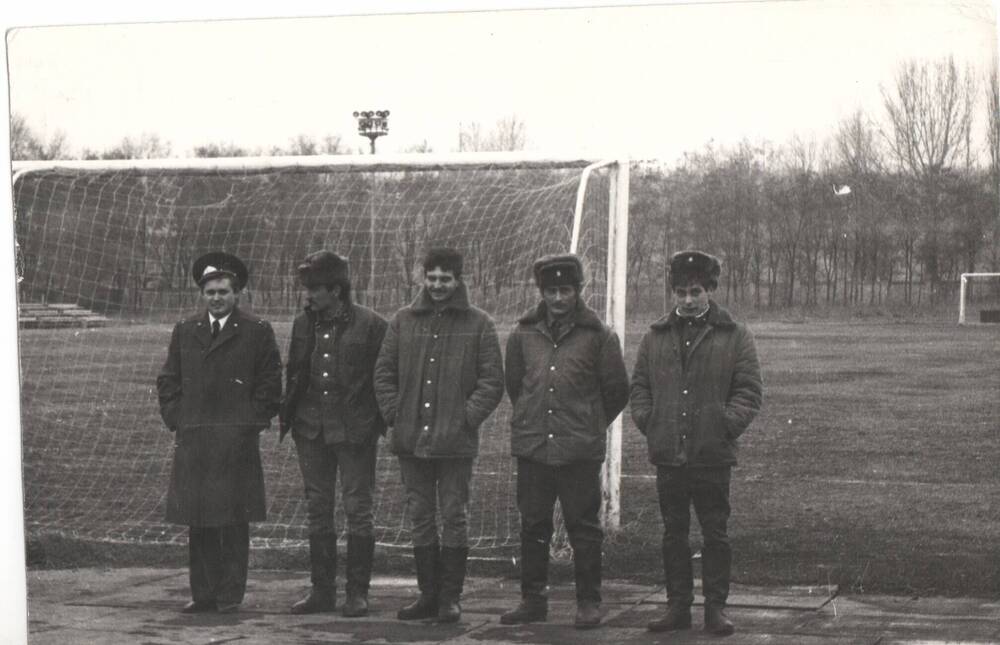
point(219, 387)
point(331, 410)
point(567, 381)
point(695, 389)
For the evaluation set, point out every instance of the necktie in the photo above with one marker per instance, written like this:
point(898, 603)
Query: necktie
point(215, 328)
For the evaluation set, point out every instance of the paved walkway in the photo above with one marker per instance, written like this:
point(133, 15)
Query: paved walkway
point(139, 606)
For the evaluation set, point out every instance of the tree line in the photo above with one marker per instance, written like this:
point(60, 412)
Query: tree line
point(892, 208)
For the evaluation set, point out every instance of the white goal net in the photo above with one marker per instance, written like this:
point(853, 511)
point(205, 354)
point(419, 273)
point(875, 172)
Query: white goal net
point(112, 243)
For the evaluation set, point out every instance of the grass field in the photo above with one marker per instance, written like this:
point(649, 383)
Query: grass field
point(875, 463)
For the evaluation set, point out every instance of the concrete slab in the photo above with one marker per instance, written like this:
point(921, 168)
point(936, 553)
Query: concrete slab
point(96, 606)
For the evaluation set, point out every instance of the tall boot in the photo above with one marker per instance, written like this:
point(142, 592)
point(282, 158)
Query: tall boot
point(534, 606)
point(453, 561)
point(323, 564)
point(360, 550)
point(426, 606)
point(679, 577)
point(587, 570)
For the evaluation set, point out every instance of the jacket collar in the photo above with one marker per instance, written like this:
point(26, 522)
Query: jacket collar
point(344, 316)
point(459, 300)
point(203, 330)
point(584, 316)
point(717, 317)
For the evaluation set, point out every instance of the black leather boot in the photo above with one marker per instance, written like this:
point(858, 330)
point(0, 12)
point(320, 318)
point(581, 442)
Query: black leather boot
point(587, 570)
point(677, 617)
point(323, 563)
point(716, 621)
point(534, 606)
point(360, 551)
point(426, 606)
point(453, 561)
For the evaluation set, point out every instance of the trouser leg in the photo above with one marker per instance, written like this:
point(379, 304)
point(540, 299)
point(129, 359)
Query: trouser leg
point(453, 479)
point(357, 484)
point(234, 543)
point(536, 498)
point(673, 490)
point(420, 484)
point(454, 476)
point(579, 487)
point(203, 562)
point(711, 504)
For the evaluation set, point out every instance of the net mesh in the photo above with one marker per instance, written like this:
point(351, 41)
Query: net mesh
point(121, 243)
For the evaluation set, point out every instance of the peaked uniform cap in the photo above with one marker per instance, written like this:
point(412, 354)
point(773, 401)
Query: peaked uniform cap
point(218, 264)
point(695, 264)
point(558, 269)
point(323, 268)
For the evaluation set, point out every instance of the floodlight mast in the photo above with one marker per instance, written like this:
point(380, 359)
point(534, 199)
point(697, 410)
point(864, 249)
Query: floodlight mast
point(372, 124)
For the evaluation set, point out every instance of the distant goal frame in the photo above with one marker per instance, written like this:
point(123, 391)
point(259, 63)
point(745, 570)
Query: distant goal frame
point(963, 290)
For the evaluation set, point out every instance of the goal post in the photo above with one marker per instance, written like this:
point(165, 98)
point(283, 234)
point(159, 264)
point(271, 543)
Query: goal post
point(963, 293)
point(118, 237)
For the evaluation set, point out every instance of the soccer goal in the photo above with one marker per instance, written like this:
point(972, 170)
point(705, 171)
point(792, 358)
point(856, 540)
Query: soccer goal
point(988, 293)
point(115, 240)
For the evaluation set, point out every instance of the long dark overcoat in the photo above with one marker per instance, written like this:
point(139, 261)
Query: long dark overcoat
point(216, 396)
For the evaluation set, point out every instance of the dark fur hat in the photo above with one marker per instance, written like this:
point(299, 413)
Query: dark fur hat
point(218, 264)
point(445, 258)
point(695, 266)
point(324, 268)
point(558, 269)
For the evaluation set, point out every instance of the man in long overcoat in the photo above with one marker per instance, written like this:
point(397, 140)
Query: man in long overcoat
point(219, 387)
point(330, 408)
point(438, 376)
point(695, 389)
point(567, 381)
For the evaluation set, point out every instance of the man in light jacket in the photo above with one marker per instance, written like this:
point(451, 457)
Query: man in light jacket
point(567, 381)
point(695, 389)
point(439, 375)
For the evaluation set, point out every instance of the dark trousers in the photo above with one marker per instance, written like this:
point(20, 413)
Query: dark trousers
point(438, 483)
point(320, 463)
point(577, 486)
point(708, 490)
point(217, 562)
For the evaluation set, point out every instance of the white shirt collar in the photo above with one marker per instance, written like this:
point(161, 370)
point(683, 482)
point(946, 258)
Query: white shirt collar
point(222, 321)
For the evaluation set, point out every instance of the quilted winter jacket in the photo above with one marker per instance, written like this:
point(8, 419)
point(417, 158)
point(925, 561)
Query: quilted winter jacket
point(707, 404)
point(354, 395)
point(565, 390)
point(463, 363)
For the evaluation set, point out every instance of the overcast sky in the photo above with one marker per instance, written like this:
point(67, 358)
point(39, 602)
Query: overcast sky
point(650, 82)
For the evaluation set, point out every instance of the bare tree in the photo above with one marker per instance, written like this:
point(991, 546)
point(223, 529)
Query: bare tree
point(221, 150)
point(305, 145)
point(929, 110)
point(147, 146)
point(508, 133)
point(26, 144)
point(993, 133)
point(930, 113)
